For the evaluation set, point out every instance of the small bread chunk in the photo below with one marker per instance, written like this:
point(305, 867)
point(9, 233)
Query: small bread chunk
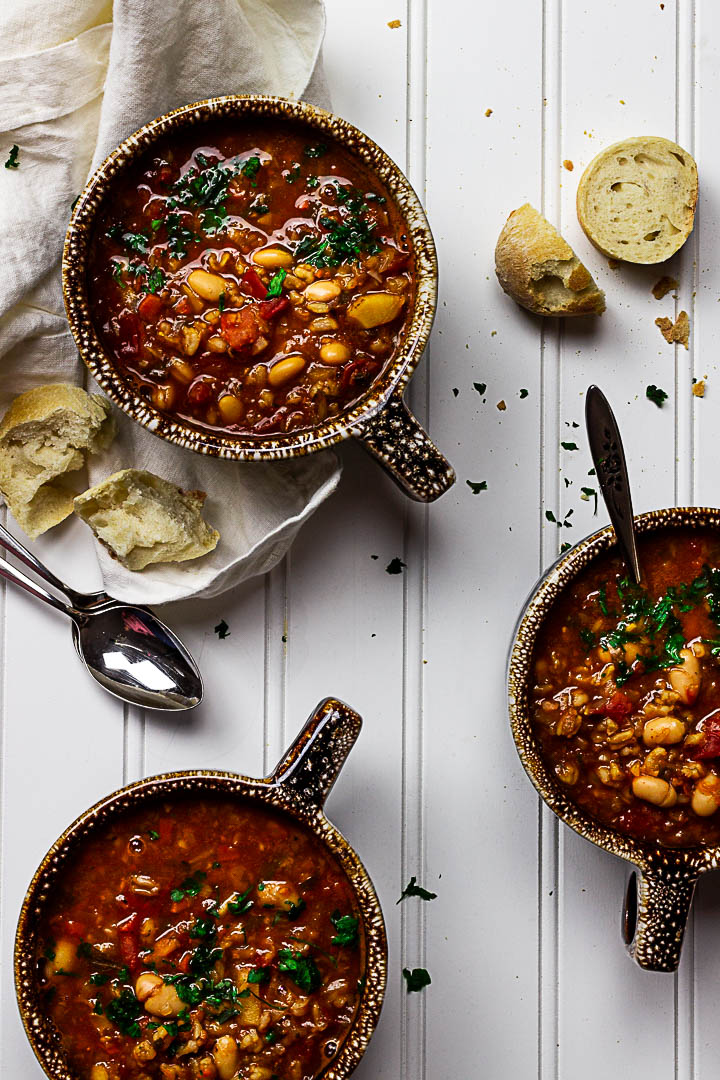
point(636, 200)
point(45, 434)
point(677, 332)
point(541, 271)
point(143, 519)
point(662, 287)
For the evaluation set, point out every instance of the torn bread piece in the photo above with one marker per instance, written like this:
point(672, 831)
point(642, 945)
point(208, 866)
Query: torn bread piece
point(636, 200)
point(540, 271)
point(677, 332)
point(662, 287)
point(143, 519)
point(45, 434)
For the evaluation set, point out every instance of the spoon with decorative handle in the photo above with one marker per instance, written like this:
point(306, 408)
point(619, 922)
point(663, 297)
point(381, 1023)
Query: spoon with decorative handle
point(125, 647)
point(609, 460)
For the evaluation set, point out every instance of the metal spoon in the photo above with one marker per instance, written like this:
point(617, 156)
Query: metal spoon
point(609, 460)
point(125, 647)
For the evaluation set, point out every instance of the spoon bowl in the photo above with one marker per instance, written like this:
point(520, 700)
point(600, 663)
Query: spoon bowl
point(134, 656)
point(125, 647)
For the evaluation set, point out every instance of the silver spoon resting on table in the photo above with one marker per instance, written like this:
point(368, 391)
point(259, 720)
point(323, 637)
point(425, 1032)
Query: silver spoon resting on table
point(126, 648)
point(608, 457)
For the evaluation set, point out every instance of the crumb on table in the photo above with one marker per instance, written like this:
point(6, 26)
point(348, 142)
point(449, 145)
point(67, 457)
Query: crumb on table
point(677, 332)
point(567, 164)
point(662, 287)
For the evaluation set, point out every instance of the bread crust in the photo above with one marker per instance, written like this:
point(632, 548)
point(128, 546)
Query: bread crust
point(46, 434)
point(143, 519)
point(636, 199)
point(539, 269)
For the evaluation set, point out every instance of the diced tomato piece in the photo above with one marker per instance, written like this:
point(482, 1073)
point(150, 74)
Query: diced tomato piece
point(617, 707)
point(710, 746)
point(183, 306)
point(358, 374)
point(200, 392)
point(271, 423)
point(270, 308)
point(150, 307)
point(252, 284)
point(74, 928)
point(129, 950)
point(240, 328)
point(128, 925)
point(129, 334)
point(184, 962)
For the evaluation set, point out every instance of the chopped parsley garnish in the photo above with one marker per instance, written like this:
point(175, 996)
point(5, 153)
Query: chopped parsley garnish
point(587, 637)
point(415, 980)
point(153, 834)
point(99, 978)
point(565, 546)
point(251, 168)
point(191, 886)
point(566, 520)
point(413, 889)
point(477, 487)
point(569, 445)
point(240, 903)
point(311, 181)
point(276, 283)
point(395, 566)
point(347, 929)
point(291, 175)
point(123, 975)
point(259, 975)
point(136, 241)
point(222, 629)
point(259, 206)
point(156, 280)
point(524, 393)
point(12, 159)
point(204, 927)
point(656, 620)
point(270, 1036)
point(124, 1012)
point(655, 394)
point(98, 1008)
point(481, 387)
point(302, 969)
point(221, 302)
point(155, 224)
point(590, 493)
point(316, 151)
point(49, 953)
point(84, 950)
point(179, 235)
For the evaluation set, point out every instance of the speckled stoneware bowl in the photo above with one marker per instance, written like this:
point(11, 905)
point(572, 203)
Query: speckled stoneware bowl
point(660, 891)
point(298, 785)
point(380, 420)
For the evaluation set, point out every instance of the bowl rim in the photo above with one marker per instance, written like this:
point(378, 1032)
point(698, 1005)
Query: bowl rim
point(564, 570)
point(391, 381)
point(39, 1029)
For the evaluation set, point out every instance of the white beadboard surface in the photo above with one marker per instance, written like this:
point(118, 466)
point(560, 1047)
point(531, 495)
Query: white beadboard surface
point(481, 104)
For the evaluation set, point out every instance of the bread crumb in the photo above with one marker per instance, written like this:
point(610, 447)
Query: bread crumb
point(677, 332)
point(613, 263)
point(567, 164)
point(621, 101)
point(488, 112)
point(493, 333)
point(699, 388)
point(394, 24)
point(663, 287)
point(501, 406)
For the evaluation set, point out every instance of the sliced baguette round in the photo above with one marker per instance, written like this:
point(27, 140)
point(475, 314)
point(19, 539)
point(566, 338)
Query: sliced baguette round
point(540, 271)
point(143, 519)
point(636, 200)
point(46, 434)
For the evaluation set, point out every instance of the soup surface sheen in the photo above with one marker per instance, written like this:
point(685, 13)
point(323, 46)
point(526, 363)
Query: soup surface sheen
point(626, 702)
point(202, 939)
point(250, 277)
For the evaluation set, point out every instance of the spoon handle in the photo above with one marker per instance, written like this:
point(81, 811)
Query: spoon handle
point(11, 544)
point(609, 460)
point(11, 573)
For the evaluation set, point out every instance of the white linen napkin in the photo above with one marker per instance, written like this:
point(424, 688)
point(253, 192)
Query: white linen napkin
point(76, 79)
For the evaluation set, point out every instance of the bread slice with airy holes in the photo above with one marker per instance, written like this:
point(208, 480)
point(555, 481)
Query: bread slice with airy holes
point(540, 271)
point(143, 519)
point(47, 433)
point(636, 200)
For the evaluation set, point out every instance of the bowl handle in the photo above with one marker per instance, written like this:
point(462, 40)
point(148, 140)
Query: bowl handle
point(311, 765)
point(406, 451)
point(657, 905)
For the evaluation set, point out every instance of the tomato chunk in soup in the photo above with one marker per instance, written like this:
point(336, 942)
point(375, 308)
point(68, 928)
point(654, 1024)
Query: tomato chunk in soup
point(251, 278)
point(201, 939)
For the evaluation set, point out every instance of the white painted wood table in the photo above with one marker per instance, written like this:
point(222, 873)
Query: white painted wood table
point(523, 944)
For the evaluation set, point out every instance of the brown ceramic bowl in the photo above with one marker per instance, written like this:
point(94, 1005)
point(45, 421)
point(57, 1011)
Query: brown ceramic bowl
point(660, 891)
point(298, 786)
point(380, 420)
